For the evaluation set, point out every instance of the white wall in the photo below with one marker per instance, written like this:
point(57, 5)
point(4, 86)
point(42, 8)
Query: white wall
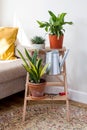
point(28, 11)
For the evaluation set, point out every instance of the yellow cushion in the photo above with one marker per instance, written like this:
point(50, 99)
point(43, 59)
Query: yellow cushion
point(7, 39)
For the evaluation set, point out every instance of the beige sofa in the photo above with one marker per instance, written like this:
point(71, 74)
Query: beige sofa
point(12, 77)
point(12, 73)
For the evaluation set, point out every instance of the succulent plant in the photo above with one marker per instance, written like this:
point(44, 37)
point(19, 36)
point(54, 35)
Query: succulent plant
point(38, 40)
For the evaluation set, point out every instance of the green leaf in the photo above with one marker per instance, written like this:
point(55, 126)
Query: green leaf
point(33, 77)
point(52, 15)
point(61, 17)
point(32, 73)
point(22, 57)
point(43, 70)
point(33, 67)
point(70, 23)
point(38, 63)
point(41, 24)
point(26, 67)
point(34, 58)
point(27, 55)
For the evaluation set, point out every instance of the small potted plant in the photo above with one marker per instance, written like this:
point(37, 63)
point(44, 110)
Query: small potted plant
point(33, 65)
point(55, 28)
point(38, 42)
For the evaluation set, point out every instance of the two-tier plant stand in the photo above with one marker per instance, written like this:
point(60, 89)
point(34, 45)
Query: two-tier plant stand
point(62, 81)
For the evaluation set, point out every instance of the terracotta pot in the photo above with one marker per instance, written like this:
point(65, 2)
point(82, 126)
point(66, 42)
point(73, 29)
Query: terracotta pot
point(37, 89)
point(56, 43)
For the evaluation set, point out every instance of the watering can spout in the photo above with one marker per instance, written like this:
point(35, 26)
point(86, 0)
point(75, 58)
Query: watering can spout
point(63, 59)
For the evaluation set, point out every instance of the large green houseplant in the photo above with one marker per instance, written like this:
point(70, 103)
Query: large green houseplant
point(33, 65)
point(55, 28)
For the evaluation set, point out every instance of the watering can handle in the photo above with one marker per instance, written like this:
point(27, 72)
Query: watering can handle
point(64, 58)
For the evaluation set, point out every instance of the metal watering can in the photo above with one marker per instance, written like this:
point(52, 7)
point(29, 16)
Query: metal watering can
point(55, 61)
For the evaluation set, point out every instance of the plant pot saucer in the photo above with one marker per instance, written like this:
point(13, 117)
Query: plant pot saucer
point(37, 98)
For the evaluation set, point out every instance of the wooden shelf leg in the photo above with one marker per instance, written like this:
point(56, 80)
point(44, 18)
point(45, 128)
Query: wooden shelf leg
point(67, 113)
point(24, 109)
point(25, 100)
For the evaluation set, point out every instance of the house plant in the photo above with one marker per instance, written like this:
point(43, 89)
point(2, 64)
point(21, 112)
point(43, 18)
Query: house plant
point(38, 42)
point(55, 28)
point(33, 65)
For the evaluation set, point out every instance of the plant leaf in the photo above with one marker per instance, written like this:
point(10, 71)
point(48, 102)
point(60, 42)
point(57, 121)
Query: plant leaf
point(34, 58)
point(61, 17)
point(32, 73)
point(68, 23)
point(52, 15)
point(34, 68)
point(38, 64)
point(41, 24)
point(27, 55)
point(43, 70)
point(34, 76)
point(22, 57)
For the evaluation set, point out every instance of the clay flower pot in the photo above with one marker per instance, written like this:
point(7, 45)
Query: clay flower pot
point(37, 89)
point(55, 42)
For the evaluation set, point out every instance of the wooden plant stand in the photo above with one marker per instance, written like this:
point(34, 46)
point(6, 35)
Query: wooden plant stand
point(61, 82)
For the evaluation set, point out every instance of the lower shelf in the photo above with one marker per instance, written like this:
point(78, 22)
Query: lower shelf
point(48, 97)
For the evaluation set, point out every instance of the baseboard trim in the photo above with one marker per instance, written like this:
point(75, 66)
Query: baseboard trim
point(78, 96)
point(74, 95)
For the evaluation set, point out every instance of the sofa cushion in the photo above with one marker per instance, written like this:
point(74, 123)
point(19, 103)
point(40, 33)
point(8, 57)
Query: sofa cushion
point(7, 42)
point(11, 69)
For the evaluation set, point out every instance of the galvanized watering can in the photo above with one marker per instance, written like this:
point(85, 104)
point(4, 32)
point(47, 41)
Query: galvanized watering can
point(55, 61)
